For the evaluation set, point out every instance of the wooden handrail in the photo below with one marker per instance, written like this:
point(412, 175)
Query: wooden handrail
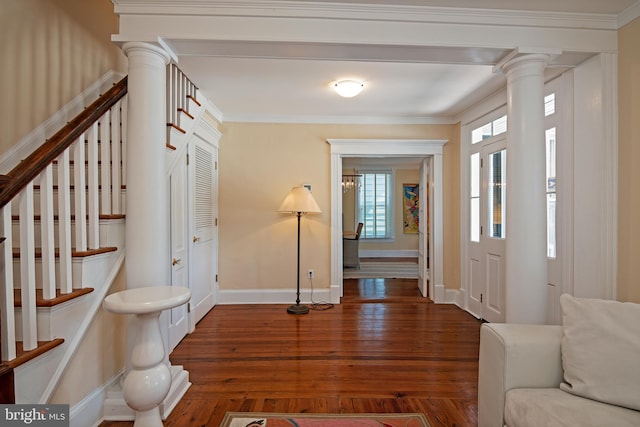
point(36, 162)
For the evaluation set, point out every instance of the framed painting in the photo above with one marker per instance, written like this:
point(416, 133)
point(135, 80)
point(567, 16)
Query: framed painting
point(410, 208)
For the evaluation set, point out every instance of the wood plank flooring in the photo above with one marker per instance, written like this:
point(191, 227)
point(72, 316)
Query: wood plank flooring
point(384, 349)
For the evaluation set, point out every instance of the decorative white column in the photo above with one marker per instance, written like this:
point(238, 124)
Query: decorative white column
point(526, 222)
point(148, 243)
point(147, 225)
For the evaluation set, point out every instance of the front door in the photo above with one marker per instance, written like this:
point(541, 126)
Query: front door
point(487, 231)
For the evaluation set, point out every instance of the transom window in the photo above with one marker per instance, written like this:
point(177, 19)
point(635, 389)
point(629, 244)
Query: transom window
point(374, 204)
point(488, 130)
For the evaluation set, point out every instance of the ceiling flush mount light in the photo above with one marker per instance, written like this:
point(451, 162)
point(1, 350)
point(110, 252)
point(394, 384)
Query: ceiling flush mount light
point(348, 88)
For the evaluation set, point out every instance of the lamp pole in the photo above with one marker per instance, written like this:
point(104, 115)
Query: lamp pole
point(298, 308)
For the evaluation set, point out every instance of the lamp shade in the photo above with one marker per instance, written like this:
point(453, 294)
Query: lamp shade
point(299, 199)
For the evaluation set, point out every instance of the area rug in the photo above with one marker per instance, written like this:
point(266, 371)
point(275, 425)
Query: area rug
point(382, 270)
point(264, 419)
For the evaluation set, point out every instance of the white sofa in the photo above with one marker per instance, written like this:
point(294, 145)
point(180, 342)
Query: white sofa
point(583, 373)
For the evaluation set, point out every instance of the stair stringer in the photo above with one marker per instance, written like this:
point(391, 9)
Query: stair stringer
point(38, 379)
point(179, 140)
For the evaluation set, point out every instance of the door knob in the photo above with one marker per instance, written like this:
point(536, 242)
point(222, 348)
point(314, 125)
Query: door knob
point(175, 261)
point(195, 239)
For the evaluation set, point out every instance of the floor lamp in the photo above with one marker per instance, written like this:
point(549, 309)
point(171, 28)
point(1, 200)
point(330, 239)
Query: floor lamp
point(299, 201)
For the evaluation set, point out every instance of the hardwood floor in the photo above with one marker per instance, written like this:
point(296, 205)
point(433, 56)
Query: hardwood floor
point(384, 349)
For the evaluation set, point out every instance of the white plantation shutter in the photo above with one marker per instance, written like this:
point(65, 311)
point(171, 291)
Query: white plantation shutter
point(205, 184)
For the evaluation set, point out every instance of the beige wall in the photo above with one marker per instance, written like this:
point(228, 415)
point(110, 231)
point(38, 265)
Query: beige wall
point(259, 163)
point(50, 51)
point(628, 286)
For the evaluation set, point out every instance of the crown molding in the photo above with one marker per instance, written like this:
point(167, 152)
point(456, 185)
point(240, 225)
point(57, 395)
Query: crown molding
point(370, 12)
point(629, 14)
point(341, 120)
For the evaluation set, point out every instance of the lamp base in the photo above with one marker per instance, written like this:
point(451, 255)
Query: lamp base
point(297, 309)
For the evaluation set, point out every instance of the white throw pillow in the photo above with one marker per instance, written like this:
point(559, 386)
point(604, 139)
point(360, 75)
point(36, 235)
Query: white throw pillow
point(601, 350)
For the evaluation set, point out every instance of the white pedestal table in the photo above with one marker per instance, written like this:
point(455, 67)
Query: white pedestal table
point(148, 381)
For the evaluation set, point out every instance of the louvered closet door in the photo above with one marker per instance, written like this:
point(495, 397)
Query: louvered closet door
point(203, 180)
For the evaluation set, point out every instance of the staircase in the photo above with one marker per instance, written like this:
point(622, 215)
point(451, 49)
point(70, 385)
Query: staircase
point(62, 217)
point(62, 235)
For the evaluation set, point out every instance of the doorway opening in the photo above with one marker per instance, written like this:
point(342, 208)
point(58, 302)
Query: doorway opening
point(430, 280)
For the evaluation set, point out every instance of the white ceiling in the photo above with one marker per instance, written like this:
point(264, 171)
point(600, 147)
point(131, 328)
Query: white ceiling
point(279, 81)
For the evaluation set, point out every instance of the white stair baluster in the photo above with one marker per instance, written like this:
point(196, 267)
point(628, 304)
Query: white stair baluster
point(7, 311)
point(47, 240)
point(79, 194)
point(169, 100)
point(105, 161)
point(28, 268)
point(123, 150)
point(64, 223)
point(115, 158)
point(93, 235)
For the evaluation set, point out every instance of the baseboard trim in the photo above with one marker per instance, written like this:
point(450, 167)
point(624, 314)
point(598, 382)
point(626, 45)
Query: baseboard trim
point(89, 411)
point(272, 296)
point(452, 296)
point(179, 385)
point(439, 294)
point(381, 253)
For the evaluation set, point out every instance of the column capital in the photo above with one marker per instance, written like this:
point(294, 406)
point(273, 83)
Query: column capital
point(529, 62)
point(143, 47)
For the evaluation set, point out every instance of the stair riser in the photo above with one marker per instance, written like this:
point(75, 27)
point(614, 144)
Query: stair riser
point(55, 168)
point(15, 208)
point(103, 230)
point(31, 378)
point(58, 321)
point(83, 269)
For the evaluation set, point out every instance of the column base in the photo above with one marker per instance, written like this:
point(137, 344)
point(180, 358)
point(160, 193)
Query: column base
point(150, 418)
point(116, 409)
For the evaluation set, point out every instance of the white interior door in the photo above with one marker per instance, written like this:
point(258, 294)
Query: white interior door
point(203, 179)
point(178, 321)
point(487, 231)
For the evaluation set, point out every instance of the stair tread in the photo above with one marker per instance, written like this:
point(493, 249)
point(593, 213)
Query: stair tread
point(73, 217)
point(74, 253)
point(194, 100)
point(187, 113)
point(72, 187)
point(23, 356)
point(59, 298)
point(176, 127)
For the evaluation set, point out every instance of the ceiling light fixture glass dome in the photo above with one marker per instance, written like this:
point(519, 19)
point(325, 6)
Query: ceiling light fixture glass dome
point(348, 88)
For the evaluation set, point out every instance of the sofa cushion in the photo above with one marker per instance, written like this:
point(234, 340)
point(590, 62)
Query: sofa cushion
point(601, 350)
point(552, 407)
